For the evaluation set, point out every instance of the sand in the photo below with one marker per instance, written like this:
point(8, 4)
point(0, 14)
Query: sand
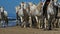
point(19, 30)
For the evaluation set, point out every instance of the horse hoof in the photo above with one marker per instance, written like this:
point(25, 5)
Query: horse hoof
point(24, 26)
point(50, 29)
point(38, 27)
point(45, 29)
point(30, 26)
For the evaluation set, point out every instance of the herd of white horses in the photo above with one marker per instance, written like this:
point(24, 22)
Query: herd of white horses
point(31, 15)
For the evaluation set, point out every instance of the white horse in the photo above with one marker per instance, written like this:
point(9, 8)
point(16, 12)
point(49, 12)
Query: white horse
point(4, 16)
point(36, 12)
point(5, 12)
point(40, 14)
point(23, 14)
point(19, 13)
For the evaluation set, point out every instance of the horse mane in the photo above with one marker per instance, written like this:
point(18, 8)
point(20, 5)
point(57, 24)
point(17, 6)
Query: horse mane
point(17, 8)
point(39, 6)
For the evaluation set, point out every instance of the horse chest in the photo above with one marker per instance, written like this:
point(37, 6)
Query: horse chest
point(25, 12)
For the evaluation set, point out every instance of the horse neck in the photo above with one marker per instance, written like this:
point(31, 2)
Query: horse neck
point(39, 6)
point(29, 8)
point(50, 5)
point(24, 11)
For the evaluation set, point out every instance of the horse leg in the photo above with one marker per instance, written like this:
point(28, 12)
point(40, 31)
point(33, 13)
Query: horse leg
point(3, 21)
point(0, 23)
point(21, 19)
point(57, 24)
point(25, 21)
point(53, 22)
point(49, 23)
point(6, 21)
point(40, 21)
point(22, 23)
point(34, 21)
point(38, 25)
point(30, 22)
point(48, 17)
point(0, 20)
point(45, 23)
point(17, 20)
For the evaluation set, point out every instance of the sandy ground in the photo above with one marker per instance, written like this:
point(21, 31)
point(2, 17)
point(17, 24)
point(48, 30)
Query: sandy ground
point(19, 30)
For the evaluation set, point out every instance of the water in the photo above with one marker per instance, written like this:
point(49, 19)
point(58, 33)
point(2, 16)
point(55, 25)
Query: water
point(10, 23)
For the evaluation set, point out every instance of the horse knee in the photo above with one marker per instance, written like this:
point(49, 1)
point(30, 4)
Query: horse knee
point(21, 19)
point(36, 18)
point(45, 23)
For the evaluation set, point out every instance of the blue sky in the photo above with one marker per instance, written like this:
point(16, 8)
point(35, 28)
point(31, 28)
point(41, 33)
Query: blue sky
point(9, 5)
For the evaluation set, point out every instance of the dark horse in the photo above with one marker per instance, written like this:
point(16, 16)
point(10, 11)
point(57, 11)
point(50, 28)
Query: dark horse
point(45, 12)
